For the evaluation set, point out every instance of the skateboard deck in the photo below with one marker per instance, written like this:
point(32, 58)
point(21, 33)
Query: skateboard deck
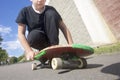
point(67, 54)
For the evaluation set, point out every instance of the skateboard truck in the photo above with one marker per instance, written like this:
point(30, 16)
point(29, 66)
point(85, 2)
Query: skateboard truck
point(58, 63)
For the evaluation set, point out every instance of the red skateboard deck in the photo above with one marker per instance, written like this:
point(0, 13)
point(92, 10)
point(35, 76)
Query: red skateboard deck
point(56, 51)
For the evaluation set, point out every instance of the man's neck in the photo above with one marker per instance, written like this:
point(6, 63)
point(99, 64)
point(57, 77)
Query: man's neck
point(38, 11)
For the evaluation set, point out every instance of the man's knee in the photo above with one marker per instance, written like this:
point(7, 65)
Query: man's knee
point(50, 12)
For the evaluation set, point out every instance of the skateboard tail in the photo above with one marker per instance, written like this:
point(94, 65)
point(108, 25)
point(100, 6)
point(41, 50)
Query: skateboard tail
point(88, 48)
point(37, 57)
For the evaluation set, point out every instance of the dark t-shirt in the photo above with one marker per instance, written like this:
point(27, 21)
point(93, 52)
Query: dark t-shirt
point(32, 19)
point(36, 25)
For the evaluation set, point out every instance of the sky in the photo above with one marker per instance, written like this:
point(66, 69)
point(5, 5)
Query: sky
point(9, 10)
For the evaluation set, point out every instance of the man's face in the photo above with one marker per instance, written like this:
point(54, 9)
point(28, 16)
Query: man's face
point(38, 3)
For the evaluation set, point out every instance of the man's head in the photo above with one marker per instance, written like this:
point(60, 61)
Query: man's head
point(38, 4)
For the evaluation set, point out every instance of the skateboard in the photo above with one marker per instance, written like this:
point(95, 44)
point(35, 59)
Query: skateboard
point(65, 56)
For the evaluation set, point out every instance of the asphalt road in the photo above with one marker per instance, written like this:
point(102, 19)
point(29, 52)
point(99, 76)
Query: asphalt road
point(102, 67)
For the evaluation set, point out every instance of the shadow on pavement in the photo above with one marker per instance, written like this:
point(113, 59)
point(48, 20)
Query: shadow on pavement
point(112, 69)
point(88, 67)
point(94, 66)
point(65, 71)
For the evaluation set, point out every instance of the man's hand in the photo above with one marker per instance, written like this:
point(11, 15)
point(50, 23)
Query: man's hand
point(30, 55)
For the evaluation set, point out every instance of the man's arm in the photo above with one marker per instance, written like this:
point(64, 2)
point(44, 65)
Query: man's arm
point(66, 32)
point(21, 35)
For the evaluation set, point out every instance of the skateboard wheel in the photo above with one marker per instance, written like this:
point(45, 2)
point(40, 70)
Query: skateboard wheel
point(34, 66)
point(82, 63)
point(56, 63)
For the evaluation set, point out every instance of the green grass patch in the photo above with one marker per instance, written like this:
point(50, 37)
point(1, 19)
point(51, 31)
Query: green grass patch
point(111, 48)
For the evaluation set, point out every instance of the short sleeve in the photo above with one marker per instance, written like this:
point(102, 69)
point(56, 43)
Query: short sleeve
point(21, 18)
point(58, 15)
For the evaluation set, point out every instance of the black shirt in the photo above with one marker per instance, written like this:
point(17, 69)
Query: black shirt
point(32, 19)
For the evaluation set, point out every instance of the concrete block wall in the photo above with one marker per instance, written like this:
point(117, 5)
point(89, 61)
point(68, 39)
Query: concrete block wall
point(110, 10)
point(73, 21)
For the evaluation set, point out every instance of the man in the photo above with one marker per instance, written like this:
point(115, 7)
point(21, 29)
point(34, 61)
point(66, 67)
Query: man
point(43, 23)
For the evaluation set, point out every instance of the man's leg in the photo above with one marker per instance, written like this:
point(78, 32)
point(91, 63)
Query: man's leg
point(37, 40)
point(52, 19)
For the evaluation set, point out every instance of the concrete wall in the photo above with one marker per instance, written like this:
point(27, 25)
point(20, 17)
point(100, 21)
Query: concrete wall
point(73, 20)
point(86, 20)
point(95, 24)
point(110, 9)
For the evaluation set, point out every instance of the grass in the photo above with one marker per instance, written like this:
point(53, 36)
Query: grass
point(110, 48)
